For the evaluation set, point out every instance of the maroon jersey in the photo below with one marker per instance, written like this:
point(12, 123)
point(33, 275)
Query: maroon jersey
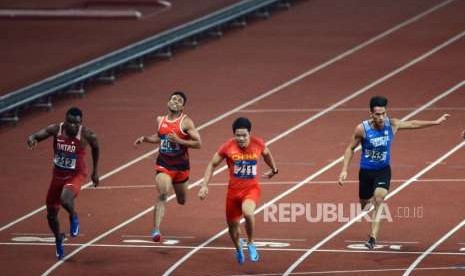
point(172, 156)
point(69, 154)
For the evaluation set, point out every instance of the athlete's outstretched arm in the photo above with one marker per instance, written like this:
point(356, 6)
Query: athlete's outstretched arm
point(416, 124)
point(93, 143)
point(269, 160)
point(41, 135)
point(349, 152)
point(214, 162)
point(152, 139)
point(188, 127)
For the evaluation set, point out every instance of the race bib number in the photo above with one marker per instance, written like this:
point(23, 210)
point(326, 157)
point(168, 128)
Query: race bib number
point(375, 155)
point(245, 169)
point(65, 161)
point(168, 147)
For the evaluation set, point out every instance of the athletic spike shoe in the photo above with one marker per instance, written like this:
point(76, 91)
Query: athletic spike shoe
point(371, 243)
point(240, 253)
point(59, 248)
point(156, 236)
point(74, 226)
point(253, 254)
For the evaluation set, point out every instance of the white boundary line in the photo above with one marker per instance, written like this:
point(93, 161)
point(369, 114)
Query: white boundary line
point(332, 164)
point(358, 271)
point(434, 246)
point(344, 109)
point(256, 99)
point(151, 244)
point(264, 183)
point(400, 188)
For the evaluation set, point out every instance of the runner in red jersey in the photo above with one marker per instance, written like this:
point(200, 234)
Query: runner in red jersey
point(176, 133)
point(242, 154)
point(70, 139)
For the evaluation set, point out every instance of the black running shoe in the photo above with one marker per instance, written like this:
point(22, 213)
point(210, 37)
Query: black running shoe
point(370, 244)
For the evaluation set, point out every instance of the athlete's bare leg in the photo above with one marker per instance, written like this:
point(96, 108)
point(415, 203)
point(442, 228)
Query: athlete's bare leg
point(53, 222)
point(164, 183)
point(378, 199)
point(67, 200)
point(364, 203)
point(180, 189)
point(234, 232)
point(248, 209)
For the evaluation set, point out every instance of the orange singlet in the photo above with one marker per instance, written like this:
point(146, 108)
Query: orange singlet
point(243, 171)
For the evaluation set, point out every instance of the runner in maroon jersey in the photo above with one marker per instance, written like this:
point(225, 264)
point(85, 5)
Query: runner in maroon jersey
point(70, 139)
point(176, 133)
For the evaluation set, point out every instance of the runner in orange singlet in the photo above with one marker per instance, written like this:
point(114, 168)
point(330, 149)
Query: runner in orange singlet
point(242, 154)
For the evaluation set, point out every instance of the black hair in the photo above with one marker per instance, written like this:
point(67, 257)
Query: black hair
point(180, 94)
point(379, 101)
point(74, 111)
point(241, 122)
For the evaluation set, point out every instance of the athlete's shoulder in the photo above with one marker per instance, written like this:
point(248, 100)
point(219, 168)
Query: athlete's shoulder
point(187, 122)
point(53, 129)
point(257, 140)
point(88, 132)
point(159, 118)
point(226, 146)
point(89, 136)
point(359, 131)
point(229, 143)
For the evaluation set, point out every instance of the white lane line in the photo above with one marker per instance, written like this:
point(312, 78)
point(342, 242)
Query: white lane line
point(218, 184)
point(151, 244)
point(346, 109)
point(379, 241)
point(332, 164)
point(358, 271)
point(165, 237)
point(393, 193)
point(258, 98)
point(434, 246)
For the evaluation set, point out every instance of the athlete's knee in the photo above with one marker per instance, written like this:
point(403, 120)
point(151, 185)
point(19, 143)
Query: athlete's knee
point(67, 196)
point(248, 214)
point(378, 200)
point(233, 226)
point(52, 216)
point(66, 202)
point(163, 197)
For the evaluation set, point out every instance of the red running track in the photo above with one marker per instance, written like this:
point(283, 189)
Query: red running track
point(401, 64)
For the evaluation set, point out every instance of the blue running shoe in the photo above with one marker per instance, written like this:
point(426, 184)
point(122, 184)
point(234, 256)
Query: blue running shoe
point(59, 248)
point(253, 254)
point(156, 235)
point(74, 226)
point(240, 253)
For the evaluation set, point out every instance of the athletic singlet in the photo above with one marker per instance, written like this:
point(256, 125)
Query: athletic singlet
point(69, 154)
point(376, 146)
point(242, 163)
point(172, 155)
